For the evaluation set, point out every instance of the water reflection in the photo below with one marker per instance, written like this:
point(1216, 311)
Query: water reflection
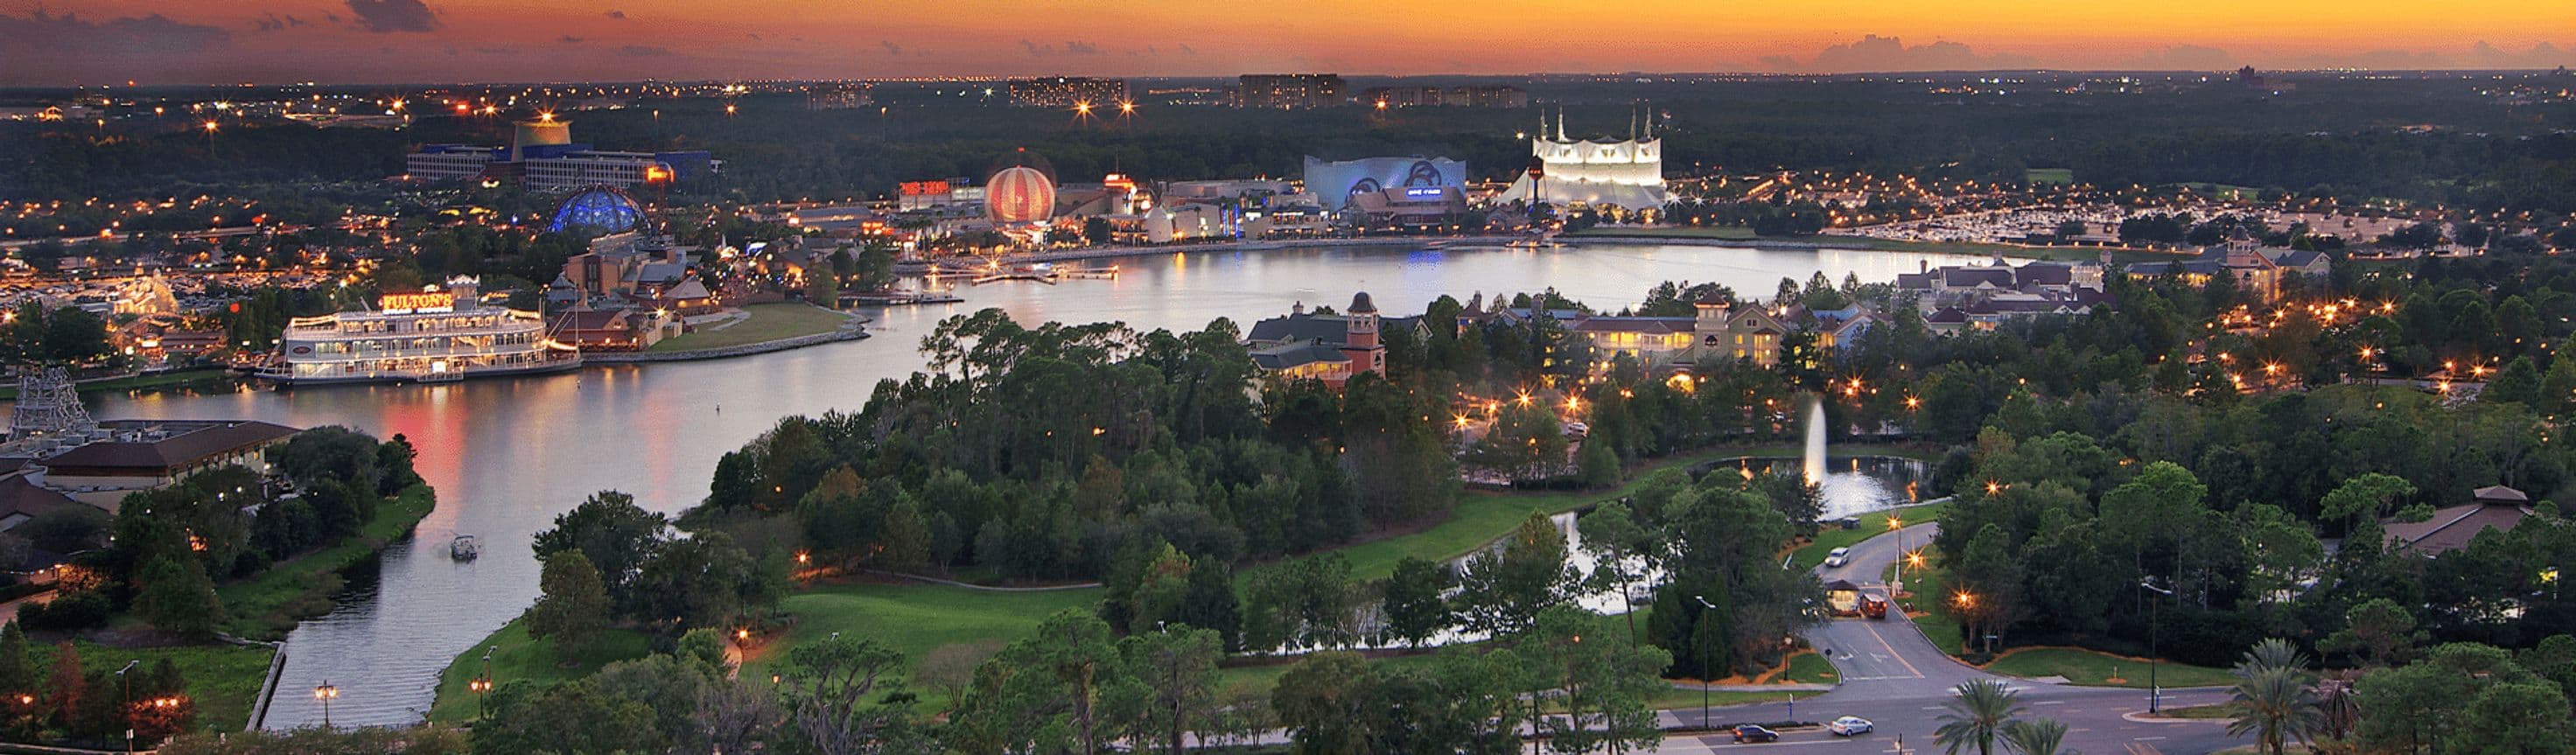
point(508, 455)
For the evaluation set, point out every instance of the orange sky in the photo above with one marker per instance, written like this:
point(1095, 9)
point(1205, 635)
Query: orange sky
point(438, 40)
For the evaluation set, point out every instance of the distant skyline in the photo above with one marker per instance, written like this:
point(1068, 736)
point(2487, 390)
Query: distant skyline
point(435, 41)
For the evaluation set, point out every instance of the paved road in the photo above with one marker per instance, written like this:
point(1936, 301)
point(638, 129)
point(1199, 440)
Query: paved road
point(1894, 676)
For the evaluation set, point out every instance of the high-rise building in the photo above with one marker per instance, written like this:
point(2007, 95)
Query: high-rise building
point(1067, 92)
point(543, 156)
point(1288, 91)
point(450, 162)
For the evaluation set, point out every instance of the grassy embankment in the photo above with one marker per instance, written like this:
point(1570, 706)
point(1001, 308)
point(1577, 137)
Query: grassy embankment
point(1827, 539)
point(518, 657)
point(913, 619)
point(266, 607)
point(224, 680)
point(1976, 248)
point(2080, 666)
point(768, 322)
point(172, 379)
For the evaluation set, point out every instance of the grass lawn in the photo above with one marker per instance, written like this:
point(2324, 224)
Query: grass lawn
point(266, 607)
point(2037, 176)
point(155, 380)
point(1810, 668)
point(1926, 585)
point(769, 322)
point(913, 619)
point(223, 679)
point(518, 657)
point(1827, 539)
point(2201, 712)
point(2094, 668)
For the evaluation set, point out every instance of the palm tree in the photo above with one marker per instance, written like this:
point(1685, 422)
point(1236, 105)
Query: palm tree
point(1975, 714)
point(2271, 653)
point(2276, 704)
point(2036, 737)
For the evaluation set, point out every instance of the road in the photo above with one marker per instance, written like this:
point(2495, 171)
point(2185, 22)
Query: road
point(1894, 676)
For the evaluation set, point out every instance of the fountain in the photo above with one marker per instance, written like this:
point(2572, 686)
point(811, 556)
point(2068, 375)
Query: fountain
point(1815, 468)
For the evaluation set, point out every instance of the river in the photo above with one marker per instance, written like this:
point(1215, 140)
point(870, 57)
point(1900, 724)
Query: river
point(507, 455)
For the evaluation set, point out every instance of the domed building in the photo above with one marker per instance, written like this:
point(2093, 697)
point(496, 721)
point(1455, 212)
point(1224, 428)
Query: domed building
point(1019, 194)
point(598, 210)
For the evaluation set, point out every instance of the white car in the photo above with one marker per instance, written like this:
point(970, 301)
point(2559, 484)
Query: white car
point(1838, 557)
point(1849, 726)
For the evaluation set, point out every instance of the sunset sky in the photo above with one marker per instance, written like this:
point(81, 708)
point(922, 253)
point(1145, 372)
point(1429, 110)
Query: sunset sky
point(389, 41)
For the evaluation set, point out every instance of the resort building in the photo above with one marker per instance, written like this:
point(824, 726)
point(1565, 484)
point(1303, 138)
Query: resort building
point(1332, 348)
point(2241, 258)
point(2450, 528)
point(1717, 331)
point(1625, 174)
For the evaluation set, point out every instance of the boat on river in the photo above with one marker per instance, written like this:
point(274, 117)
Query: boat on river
point(464, 548)
point(431, 336)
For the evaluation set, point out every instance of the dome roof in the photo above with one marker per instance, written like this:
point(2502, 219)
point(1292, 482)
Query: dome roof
point(1360, 304)
point(598, 210)
point(1019, 194)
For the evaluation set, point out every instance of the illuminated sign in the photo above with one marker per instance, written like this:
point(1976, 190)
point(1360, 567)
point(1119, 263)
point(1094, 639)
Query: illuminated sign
point(403, 304)
point(925, 188)
point(1425, 192)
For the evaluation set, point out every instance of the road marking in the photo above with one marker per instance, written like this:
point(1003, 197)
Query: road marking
point(2050, 702)
point(1891, 650)
point(2148, 739)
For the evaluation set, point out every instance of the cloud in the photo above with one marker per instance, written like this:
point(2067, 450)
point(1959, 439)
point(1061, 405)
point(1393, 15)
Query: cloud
point(44, 36)
point(392, 16)
point(617, 14)
point(645, 51)
point(890, 47)
point(274, 22)
point(1074, 47)
point(570, 39)
point(2187, 58)
point(1874, 53)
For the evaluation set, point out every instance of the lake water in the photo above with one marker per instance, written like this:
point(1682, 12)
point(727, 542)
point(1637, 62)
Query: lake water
point(508, 455)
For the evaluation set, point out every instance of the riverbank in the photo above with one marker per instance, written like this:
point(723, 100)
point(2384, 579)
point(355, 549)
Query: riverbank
point(1742, 237)
point(1258, 245)
point(150, 381)
point(268, 606)
point(766, 328)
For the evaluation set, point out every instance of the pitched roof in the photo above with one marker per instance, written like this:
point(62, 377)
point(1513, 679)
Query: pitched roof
point(175, 451)
point(2451, 528)
point(1656, 325)
point(1296, 354)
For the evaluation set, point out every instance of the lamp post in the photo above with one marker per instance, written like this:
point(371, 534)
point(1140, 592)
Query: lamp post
point(482, 685)
point(2155, 694)
point(1896, 584)
point(127, 709)
point(1702, 630)
point(326, 693)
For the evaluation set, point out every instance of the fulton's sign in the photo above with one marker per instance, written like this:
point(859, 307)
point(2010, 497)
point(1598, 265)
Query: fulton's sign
point(426, 301)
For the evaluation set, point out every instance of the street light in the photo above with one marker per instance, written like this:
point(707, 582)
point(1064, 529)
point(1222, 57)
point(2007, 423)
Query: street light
point(483, 685)
point(2155, 694)
point(326, 693)
point(127, 709)
point(1702, 631)
point(1897, 584)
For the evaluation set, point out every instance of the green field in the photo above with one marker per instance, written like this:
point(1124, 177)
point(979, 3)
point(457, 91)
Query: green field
point(1810, 668)
point(518, 657)
point(156, 380)
point(769, 322)
point(2095, 669)
point(913, 619)
point(2038, 176)
point(266, 607)
point(224, 680)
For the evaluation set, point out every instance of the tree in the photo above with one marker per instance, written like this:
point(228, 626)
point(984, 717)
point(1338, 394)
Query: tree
point(1605, 687)
point(613, 534)
point(2366, 495)
point(177, 596)
point(573, 718)
point(1321, 701)
point(2379, 630)
point(17, 671)
point(1618, 547)
point(1502, 592)
point(1062, 688)
point(1413, 600)
point(1975, 714)
point(2034, 736)
point(822, 288)
point(2515, 718)
point(950, 669)
point(1596, 465)
point(1988, 583)
point(67, 686)
point(1178, 668)
point(2275, 704)
point(828, 685)
point(572, 605)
